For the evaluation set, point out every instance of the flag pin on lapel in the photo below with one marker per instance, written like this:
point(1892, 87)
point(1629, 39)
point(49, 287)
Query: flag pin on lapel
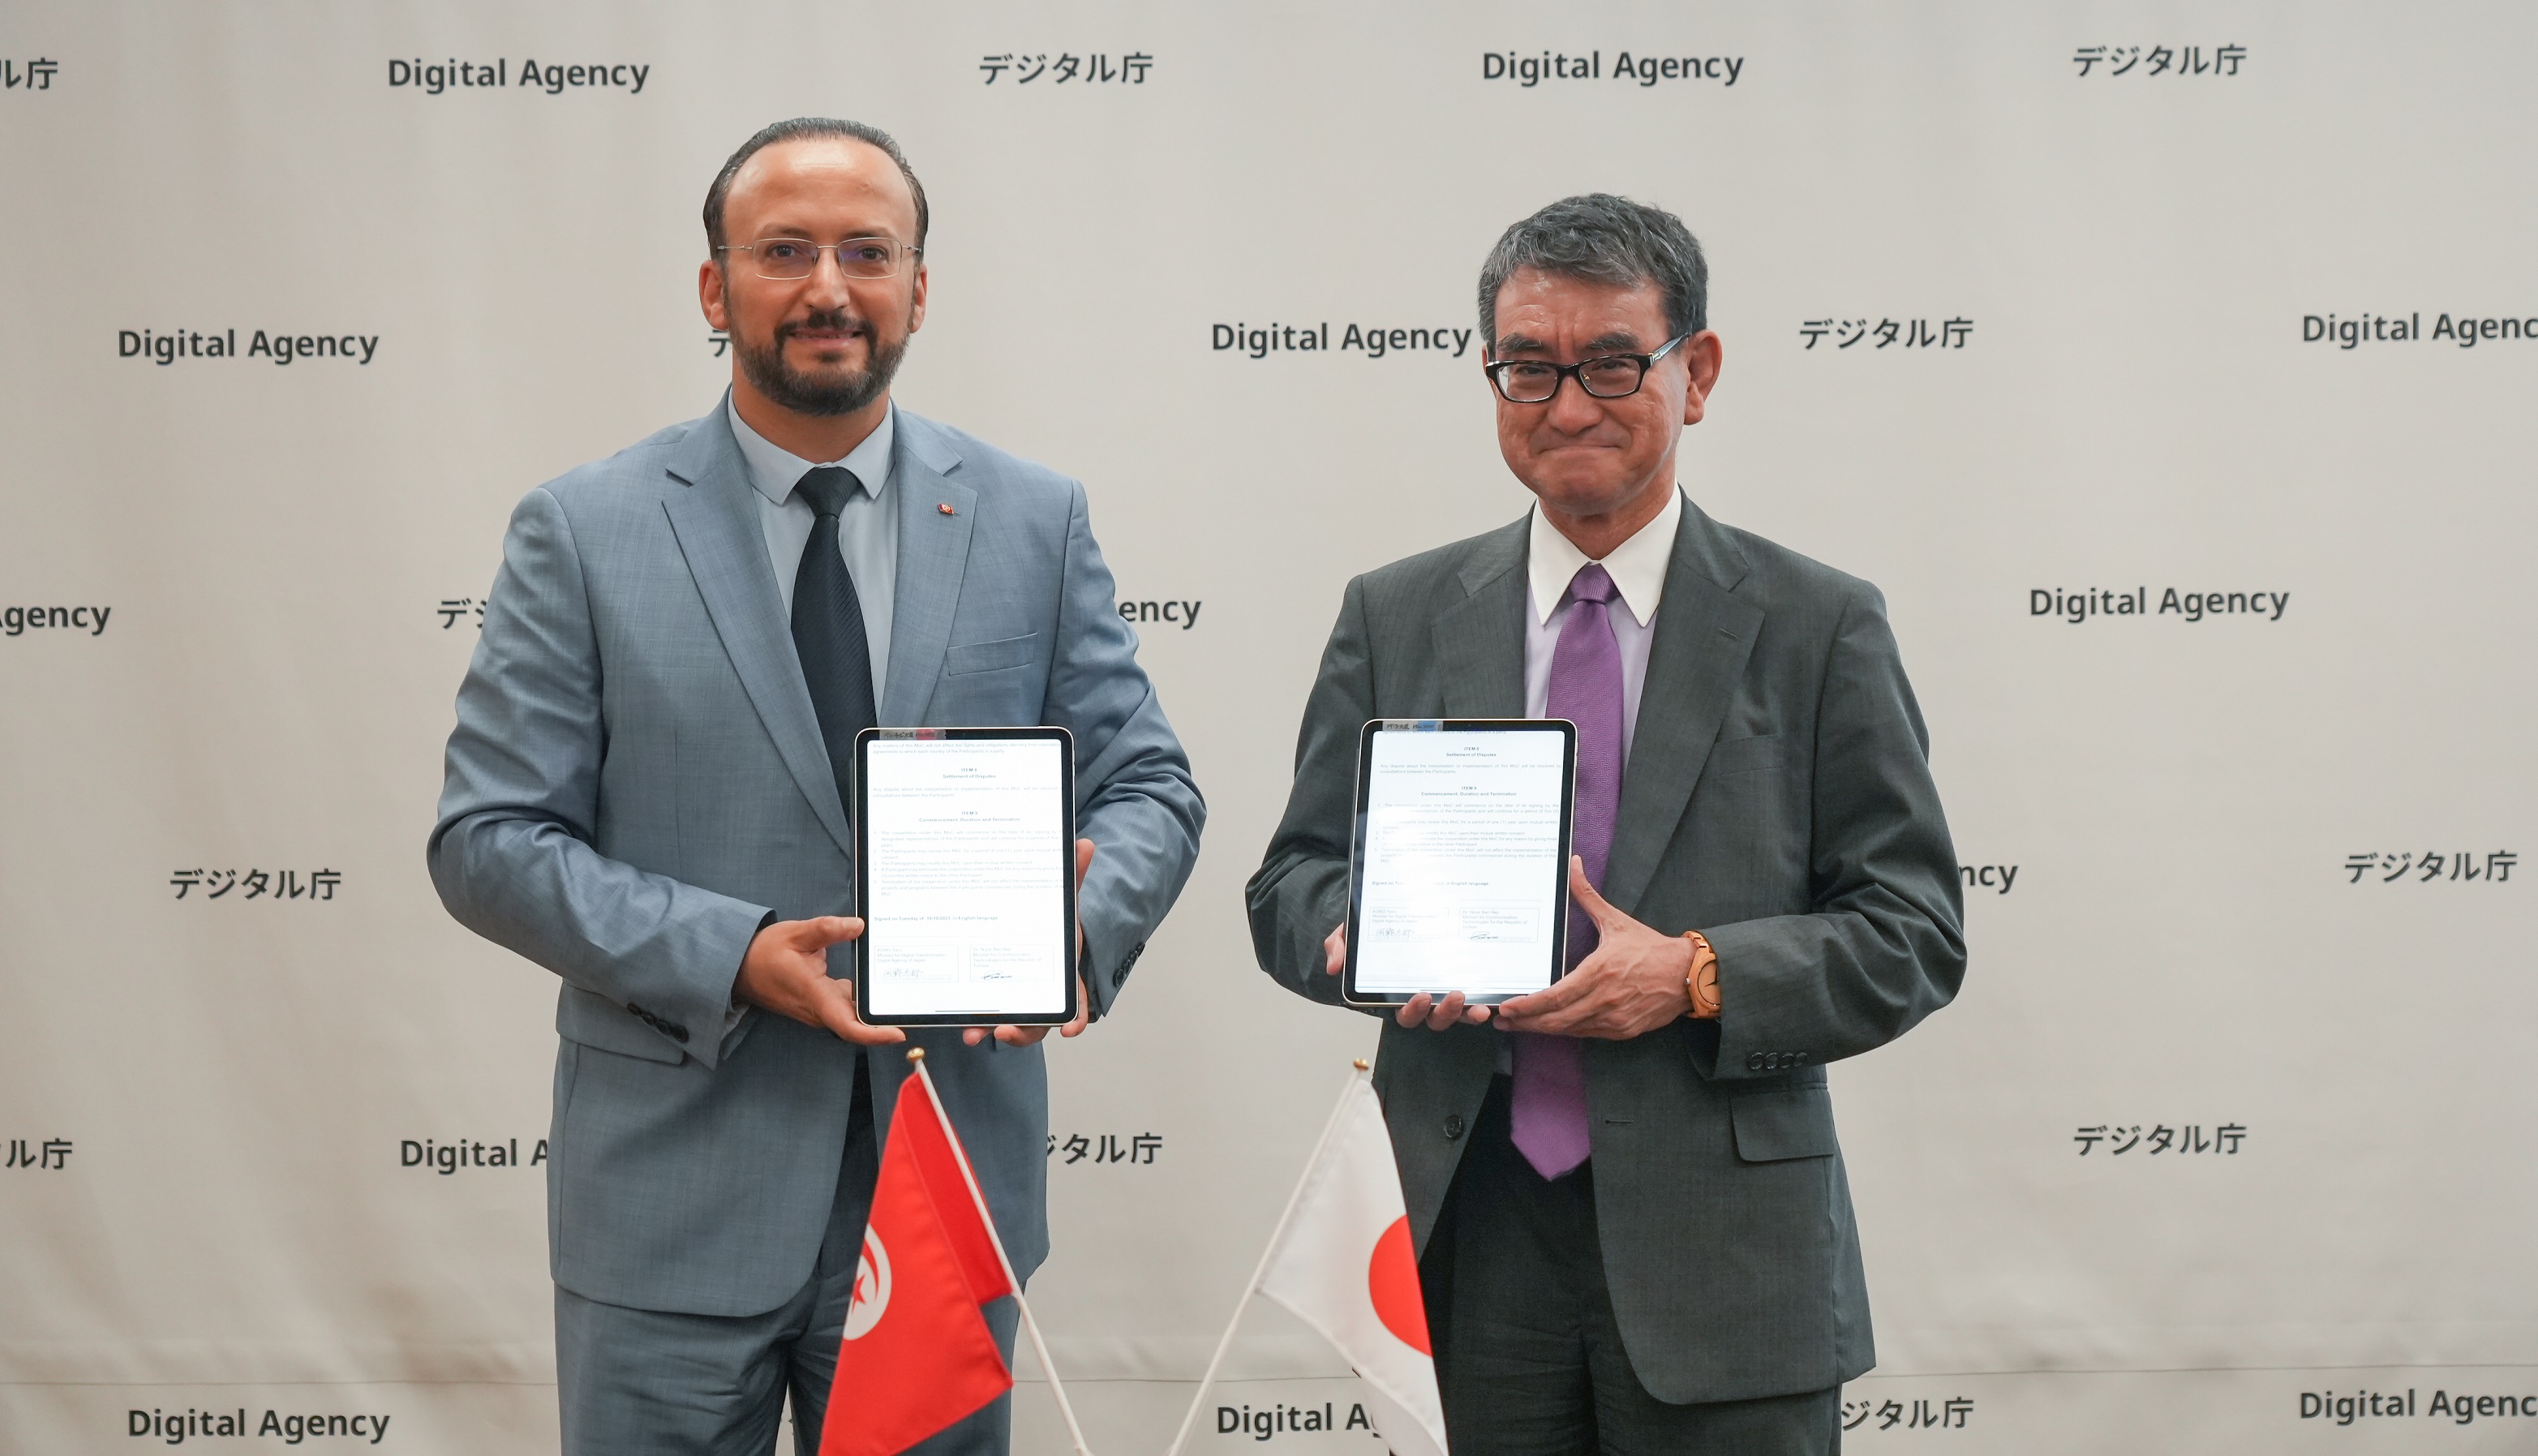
point(946, 508)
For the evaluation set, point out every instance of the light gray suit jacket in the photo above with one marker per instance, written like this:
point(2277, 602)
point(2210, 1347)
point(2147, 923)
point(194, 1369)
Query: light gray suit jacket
point(638, 783)
point(1778, 800)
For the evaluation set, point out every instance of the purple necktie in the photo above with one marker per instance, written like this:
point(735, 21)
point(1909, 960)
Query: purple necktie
point(1548, 1113)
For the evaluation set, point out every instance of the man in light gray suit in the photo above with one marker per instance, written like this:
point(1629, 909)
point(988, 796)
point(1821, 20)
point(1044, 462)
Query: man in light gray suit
point(644, 795)
point(1635, 1235)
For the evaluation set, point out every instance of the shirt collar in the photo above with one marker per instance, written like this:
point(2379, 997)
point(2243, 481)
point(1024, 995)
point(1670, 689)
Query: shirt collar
point(775, 471)
point(1638, 565)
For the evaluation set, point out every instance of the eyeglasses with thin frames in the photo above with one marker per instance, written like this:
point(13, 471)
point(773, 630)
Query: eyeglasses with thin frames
point(787, 259)
point(1530, 381)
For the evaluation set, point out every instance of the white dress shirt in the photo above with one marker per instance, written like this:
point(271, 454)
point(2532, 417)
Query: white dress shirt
point(867, 528)
point(1637, 567)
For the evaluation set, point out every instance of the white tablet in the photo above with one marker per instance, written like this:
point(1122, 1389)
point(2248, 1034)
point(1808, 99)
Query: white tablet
point(964, 870)
point(1458, 880)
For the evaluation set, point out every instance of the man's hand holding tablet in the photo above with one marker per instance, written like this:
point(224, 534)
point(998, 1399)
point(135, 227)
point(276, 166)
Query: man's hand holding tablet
point(1461, 882)
point(1636, 982)
point(787, 971)
point(1421, 1010)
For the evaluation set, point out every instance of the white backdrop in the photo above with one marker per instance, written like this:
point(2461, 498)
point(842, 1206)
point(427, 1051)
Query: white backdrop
point(231, 1000)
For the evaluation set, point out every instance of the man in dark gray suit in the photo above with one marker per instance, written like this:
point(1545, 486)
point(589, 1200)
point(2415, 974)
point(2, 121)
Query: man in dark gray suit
point(1636, 1234)
point(645, 795)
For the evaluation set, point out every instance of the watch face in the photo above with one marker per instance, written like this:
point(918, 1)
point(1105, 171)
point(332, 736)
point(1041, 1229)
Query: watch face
point(1704, 975)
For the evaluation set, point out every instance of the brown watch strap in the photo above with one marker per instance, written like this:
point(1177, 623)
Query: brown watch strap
point(1704, 981)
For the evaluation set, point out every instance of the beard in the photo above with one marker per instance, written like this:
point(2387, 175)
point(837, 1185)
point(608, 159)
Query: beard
point(831, 394)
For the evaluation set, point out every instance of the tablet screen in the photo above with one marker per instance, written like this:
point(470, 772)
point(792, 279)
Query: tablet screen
point(966, 882)
point(1461, 873)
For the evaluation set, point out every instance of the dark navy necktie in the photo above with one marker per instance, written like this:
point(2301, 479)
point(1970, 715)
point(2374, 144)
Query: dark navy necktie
point(829, 626)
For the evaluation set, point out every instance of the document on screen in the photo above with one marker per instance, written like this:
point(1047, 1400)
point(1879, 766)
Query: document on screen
point(1459, 880)
point(963, 859)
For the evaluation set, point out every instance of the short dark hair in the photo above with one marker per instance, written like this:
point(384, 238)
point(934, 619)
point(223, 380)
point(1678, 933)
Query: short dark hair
point(1603, 238)
point(795, 130)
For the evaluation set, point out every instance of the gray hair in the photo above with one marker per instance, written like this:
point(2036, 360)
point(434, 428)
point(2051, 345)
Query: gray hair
point(795, 130)
point(1599, 237)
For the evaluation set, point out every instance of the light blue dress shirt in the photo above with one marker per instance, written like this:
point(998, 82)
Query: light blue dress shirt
point(867, 528)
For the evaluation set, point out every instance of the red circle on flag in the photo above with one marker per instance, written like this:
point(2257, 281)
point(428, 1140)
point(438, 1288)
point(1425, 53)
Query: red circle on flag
point(1392, 1282)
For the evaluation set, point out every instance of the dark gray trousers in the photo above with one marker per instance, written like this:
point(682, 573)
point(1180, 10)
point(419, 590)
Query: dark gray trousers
point(640, 1382)
point(1529, 1360)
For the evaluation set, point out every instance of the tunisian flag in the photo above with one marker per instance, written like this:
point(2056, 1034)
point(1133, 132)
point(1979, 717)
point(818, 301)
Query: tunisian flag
point(917, 1354)
point(1343, 1264)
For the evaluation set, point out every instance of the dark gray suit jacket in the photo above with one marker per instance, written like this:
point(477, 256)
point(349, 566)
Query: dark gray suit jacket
point(1778, 800)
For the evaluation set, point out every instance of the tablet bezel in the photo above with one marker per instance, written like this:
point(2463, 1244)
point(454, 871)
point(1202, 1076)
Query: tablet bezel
point(1066, 861)
point(1357, 846)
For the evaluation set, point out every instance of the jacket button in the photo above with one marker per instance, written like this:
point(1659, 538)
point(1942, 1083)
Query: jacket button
point(1453, 1126)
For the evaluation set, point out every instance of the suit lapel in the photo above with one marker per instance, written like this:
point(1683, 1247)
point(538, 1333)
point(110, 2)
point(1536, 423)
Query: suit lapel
point(1479, 640)
point(1705, 631)
point(715, 520)
point(933, 555)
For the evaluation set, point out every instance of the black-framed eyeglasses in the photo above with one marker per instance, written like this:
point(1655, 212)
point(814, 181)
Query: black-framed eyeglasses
point(1530, 381)
point(790, 258)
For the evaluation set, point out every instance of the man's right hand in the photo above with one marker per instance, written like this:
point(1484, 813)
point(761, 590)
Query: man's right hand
point(787, 971)
point(1421, 1009)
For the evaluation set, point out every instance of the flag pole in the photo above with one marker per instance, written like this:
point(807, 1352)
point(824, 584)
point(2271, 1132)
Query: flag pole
point(1225, 1341)
point(1039, 1346)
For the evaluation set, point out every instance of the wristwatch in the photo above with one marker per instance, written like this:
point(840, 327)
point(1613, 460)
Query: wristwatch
point(1704, 975)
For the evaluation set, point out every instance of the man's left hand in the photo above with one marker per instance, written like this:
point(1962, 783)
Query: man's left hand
point(1034, 1035)
point(1636, 982)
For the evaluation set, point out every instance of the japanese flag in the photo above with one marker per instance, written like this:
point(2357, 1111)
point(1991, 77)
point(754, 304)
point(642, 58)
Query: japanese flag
point(917, 1354)
point(1344, 1265)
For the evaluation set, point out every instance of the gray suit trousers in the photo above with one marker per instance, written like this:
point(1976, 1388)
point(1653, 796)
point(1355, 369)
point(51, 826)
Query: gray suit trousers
point(641, 1382)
